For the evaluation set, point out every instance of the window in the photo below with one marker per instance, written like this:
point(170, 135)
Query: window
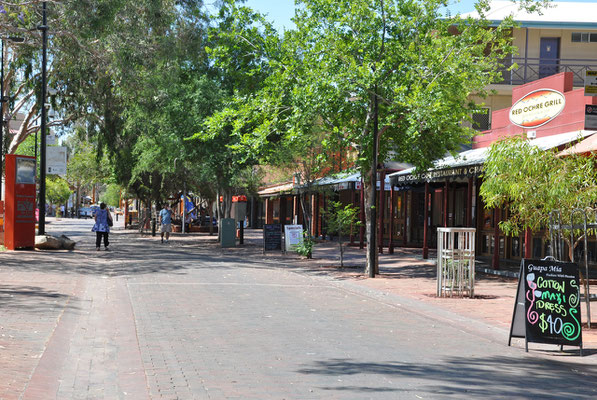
point(584, 37)
point(481, 120)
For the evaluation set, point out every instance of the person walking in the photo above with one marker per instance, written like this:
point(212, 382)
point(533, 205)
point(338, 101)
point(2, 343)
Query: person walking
point(103, 221)
point(165, 222)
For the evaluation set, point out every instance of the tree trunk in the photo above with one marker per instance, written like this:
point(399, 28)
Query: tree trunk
point(370, 226)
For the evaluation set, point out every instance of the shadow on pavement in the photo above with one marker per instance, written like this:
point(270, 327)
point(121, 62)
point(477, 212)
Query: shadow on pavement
point(469, 377)
point(31, 298)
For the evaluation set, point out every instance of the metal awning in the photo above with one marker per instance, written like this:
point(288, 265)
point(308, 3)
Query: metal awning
point(470, 163)
point(276, 190)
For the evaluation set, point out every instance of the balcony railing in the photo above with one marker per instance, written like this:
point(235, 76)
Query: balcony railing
point(532, 69)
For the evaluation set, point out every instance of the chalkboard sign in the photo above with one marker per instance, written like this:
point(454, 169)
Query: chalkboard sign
point(550, 293)
point(272, 237)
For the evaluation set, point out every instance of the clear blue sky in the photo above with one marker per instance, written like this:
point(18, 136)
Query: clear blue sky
point(281, 11)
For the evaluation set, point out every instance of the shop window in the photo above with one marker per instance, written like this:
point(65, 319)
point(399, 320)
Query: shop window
point(537, 247)
point(485, 244)
point(436, 219)
point(515, 252)
point(481, 119)
point(502, 247)
point(487, 218)
point(592, 254)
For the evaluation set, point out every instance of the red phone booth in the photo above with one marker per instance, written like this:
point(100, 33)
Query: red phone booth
point(19, 207)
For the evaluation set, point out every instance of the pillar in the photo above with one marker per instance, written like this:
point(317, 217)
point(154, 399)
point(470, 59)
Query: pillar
point(391, 240)
point(362, 209)
point(495, 262)
point(426, 223)
point(382, 207)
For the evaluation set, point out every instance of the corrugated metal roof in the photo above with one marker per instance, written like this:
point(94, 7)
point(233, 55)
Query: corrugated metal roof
point(277, 189)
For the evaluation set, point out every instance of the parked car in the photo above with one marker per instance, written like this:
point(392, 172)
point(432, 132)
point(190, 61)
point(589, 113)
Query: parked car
point(86, 212)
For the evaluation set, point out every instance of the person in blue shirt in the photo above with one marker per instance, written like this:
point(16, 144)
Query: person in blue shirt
point(165, 222)
point(101, 226)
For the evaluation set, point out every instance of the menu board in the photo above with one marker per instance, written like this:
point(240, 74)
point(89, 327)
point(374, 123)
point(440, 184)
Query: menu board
point(550, 292)
point(272, 237)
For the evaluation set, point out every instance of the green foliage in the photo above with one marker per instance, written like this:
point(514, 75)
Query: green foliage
point(305, 248)
point(57, 190)
point(531, 183)
point(112, 195)
point(340, 219)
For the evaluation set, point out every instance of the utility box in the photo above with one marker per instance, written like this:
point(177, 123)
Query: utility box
point(239, 208)
point(19, 213)
point(228, 232)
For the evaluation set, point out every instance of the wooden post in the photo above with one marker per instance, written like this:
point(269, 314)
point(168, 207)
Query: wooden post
point(404, 237)
point(528, 243)
point(352, 201)
point(446, 205)
point(495, 262)
point(425, 223)
point(382, 207)
point(469, 203)
point(362, 230)
point(391, 240)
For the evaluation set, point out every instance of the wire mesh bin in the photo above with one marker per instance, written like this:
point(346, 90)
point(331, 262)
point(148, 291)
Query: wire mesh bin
point(455, 262)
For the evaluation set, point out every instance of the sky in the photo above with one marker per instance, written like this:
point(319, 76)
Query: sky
point(281, 11)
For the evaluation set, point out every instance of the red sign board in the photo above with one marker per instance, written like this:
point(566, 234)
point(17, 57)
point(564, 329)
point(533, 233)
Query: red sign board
point(19, 218)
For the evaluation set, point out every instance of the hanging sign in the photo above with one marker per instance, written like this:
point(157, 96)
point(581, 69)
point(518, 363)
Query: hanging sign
point(56, 160)
point(591, 117)
point(547, 308)
point(590, 83)
point(537, 108)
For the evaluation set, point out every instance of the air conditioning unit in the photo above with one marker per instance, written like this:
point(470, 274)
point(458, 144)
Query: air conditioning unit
point(531, 134)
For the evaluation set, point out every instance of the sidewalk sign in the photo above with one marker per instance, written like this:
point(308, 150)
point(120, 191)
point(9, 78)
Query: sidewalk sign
point(272, 237)
point(293, 236)
point(547, 306)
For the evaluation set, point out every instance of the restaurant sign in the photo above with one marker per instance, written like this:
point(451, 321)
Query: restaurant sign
point(537, 108)
point(438, 175)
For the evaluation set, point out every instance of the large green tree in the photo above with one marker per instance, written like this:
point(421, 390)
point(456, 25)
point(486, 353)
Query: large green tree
point(395, 67)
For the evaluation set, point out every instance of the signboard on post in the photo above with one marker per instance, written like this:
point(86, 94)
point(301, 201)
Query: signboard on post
point(590, 117)
point(548, 304)
point(272, 237)
point(56, 160)
point(590, 83)
point(293, 236)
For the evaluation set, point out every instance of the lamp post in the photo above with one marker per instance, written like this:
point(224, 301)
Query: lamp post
point(42, 151)
point(3, 99)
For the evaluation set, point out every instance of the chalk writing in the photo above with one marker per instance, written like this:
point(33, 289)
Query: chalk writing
point(552, 302)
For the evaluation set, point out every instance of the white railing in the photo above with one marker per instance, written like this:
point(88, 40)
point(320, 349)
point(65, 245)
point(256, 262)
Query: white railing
point(455, 262)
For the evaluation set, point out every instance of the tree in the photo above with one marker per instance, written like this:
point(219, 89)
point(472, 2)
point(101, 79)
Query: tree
point(112, 195)
point(58, 190)
point(340, 220)
point(531, 183)
point(397, 68)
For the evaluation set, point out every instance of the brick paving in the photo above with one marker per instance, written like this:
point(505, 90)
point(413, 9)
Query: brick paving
point(70, 322)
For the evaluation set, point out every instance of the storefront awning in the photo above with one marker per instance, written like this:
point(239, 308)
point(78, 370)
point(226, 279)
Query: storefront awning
point(586, 146)
point(470, 163)
point(276, 190)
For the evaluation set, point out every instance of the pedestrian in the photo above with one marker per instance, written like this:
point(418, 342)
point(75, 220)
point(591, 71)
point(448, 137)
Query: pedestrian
point(103, 221)
point(165, 222)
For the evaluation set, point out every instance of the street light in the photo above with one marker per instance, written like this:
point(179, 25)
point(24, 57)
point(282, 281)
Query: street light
point(42, 151)
point(4, 99)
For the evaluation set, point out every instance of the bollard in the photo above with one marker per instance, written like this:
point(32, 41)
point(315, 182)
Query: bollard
point(153, 224)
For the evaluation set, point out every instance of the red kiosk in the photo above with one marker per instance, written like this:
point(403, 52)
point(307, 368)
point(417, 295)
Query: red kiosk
point(19, 215)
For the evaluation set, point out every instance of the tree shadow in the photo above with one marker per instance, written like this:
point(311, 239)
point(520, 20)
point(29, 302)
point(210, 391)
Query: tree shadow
point(29, 298)
point(470, 377)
